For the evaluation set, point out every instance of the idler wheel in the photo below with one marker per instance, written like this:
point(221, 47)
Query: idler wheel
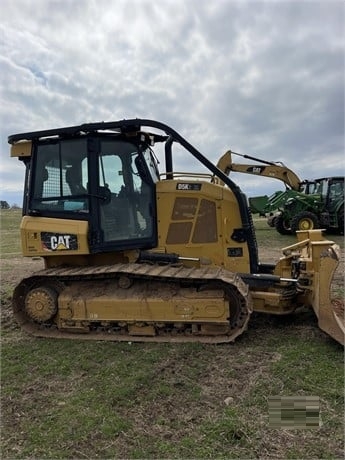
point(41, 304)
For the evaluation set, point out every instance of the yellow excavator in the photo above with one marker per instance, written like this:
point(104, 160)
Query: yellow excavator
point(134, 254)
point(274, 170)
point(270, 206)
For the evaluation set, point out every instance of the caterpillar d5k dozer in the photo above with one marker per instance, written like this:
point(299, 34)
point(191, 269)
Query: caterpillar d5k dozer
point(132, 254)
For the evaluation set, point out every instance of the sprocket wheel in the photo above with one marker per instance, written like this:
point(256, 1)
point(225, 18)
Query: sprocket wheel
point(41, 304)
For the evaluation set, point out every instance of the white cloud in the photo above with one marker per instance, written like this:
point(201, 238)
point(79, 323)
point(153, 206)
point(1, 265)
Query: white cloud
point(264, 78)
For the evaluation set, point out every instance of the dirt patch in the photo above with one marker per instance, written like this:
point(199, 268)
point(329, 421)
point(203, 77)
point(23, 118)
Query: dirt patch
point(16, 268)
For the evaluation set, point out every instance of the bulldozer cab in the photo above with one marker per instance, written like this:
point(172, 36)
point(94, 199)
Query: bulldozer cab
point(100, 183)
point(108, 182)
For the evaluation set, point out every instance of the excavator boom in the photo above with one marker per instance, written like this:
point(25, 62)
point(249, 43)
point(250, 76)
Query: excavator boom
point(262, 168)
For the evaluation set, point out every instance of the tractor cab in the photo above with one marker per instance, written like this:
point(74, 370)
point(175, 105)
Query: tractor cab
point(332, 189)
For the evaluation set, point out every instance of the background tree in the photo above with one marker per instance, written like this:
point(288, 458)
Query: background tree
point(4, 205)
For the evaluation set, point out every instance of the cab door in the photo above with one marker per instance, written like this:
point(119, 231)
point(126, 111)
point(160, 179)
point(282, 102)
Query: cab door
point(127, 206)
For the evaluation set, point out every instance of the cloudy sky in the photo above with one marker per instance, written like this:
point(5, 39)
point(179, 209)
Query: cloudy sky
point(263, 78)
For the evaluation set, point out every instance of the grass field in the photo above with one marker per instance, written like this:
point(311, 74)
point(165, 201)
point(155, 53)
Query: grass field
point(80, 400)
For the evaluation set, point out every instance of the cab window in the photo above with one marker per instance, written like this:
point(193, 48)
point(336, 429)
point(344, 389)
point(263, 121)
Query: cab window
point(61, 177)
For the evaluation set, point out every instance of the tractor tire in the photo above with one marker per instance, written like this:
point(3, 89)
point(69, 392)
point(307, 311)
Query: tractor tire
point(271, 221)
point(282, 225)
point(304, 220)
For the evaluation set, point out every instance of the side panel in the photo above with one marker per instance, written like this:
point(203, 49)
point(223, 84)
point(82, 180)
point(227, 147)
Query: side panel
point(44, 236)
point(235, 254)
point(196, 220)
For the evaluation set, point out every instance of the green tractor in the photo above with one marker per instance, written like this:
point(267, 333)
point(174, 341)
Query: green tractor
point(323, 208)
point(304, 205)
point(270, 206)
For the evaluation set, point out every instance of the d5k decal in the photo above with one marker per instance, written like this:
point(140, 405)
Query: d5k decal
point(59, 241)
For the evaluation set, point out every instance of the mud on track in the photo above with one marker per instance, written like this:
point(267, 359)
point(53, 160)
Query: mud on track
point(16, 268)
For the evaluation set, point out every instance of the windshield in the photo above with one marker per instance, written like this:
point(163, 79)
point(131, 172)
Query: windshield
point(308, 188)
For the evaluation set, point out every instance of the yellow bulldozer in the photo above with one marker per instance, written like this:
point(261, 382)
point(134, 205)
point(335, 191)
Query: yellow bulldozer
point(132, 253)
